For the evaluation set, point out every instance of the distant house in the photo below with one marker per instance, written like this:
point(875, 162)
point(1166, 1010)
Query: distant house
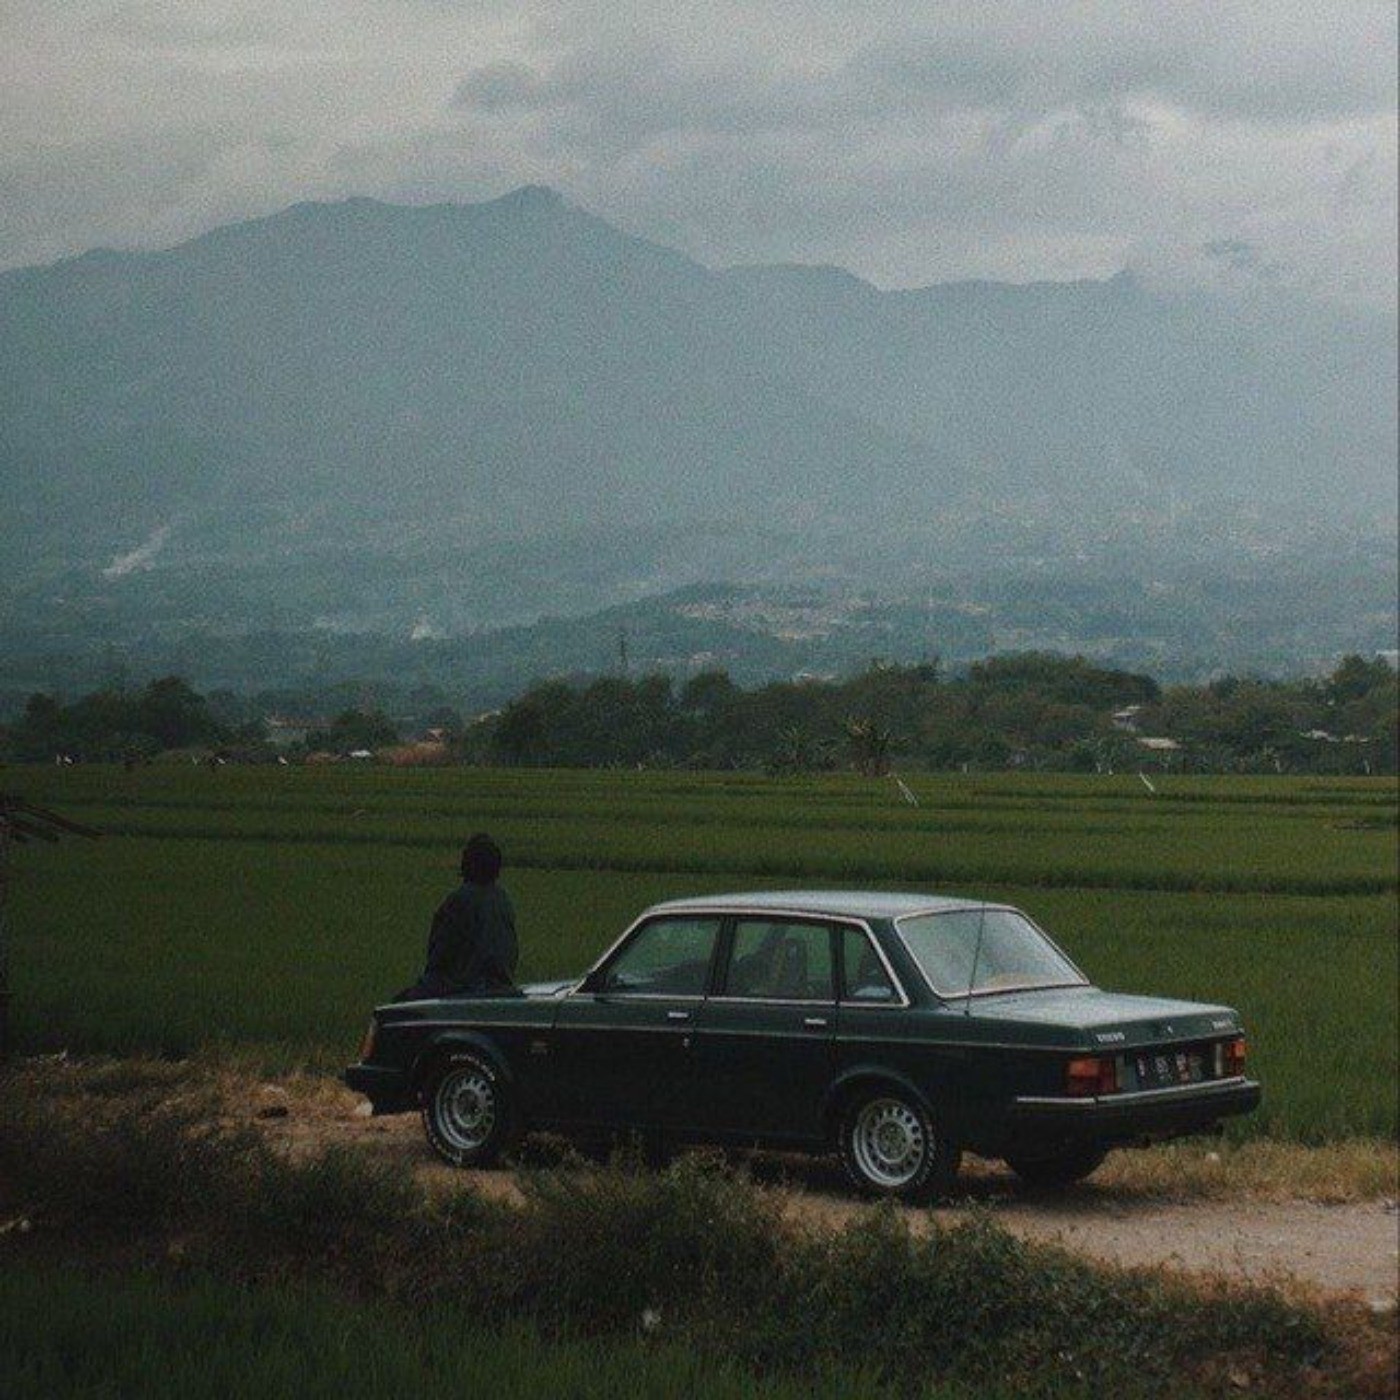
point(1126, 719)
point(1158, 744)
point(282, 732)
point(426, 753)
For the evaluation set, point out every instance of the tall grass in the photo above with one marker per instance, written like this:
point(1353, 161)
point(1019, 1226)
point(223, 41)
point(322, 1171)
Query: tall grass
point(68, 1335)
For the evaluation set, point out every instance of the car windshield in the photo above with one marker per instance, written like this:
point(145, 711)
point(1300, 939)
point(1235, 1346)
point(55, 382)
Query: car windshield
point(985, 950)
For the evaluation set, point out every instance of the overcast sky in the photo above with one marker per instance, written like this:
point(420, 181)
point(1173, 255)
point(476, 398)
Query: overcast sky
point(1223, 142)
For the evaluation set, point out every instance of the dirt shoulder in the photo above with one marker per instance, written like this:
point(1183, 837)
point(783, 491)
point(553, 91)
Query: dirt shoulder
point(1258, 1214)
point(1325, 1218)
point(1344, 1247)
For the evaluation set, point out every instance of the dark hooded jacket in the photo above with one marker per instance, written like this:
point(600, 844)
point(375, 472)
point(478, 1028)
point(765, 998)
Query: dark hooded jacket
point(471, 947)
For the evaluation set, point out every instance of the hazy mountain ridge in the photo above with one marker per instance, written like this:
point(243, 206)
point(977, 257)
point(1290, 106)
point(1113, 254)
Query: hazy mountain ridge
point(361, 414)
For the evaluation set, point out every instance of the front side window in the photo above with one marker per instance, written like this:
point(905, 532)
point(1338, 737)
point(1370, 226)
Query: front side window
point(985, 950)
point(667, 957)
point(780, 960)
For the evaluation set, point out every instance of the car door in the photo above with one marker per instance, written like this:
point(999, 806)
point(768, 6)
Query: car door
point(620, 1050)
point(765, 1041)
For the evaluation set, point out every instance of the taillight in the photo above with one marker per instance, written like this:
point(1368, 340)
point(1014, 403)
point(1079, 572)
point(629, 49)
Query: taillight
point(1233, 1059)
point(1090, 1075)
point(367, 1044)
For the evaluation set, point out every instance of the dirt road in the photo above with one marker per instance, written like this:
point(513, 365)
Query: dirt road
point(1353, 1247)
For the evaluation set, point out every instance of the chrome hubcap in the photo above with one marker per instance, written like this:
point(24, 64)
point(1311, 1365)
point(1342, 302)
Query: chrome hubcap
point(889, 1142)
point(465, 1108)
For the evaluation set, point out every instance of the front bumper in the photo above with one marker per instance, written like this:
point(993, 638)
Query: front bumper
point(1131, 1117)
point(388, 1089)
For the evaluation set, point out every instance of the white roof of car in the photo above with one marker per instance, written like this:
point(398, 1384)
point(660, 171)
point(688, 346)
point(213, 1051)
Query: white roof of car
point(858, 904)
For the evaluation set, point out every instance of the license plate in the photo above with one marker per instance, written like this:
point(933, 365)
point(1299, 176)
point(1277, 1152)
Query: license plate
point(1166, 1068)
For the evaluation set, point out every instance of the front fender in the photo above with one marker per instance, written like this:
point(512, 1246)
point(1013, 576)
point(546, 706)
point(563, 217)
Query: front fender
point(444, 1042)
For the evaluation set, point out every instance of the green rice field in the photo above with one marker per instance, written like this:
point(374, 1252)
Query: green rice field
point(269, 908)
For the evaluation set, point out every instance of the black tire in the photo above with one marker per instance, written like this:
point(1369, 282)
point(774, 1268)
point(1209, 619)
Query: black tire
point(470, 1115)
point(890, 1147)
point(1060, 1169)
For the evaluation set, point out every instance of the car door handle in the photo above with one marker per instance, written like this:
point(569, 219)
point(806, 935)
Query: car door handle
point(817, 1023)
point(678, 1015)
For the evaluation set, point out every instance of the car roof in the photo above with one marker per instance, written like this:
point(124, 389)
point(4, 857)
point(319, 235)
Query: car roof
point(858, 904)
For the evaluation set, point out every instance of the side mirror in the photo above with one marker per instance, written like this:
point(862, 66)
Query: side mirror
point(596, 981)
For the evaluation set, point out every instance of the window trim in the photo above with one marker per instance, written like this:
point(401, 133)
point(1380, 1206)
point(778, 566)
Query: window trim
point(728, 913)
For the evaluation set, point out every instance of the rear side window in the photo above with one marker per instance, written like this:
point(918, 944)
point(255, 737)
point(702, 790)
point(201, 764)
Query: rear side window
point(865, 978)
point(780, 960)
point(667, 957)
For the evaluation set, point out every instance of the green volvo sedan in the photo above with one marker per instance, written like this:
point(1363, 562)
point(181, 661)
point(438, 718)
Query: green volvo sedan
point(897, 1030)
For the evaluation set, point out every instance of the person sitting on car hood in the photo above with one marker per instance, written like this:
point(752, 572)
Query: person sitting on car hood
point(472, 948)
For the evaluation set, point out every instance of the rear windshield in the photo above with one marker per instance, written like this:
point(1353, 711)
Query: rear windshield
point(985, 950)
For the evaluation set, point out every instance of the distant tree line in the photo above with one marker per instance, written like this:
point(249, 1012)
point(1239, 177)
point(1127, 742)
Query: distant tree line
point(118, 724)
point(1036, 710)
point(168, 715)
point(1032, 709)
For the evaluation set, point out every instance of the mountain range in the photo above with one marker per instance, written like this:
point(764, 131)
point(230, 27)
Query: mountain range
point(382, 418)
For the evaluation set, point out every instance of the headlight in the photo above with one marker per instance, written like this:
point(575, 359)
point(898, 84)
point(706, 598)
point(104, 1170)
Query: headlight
point(367, 1044)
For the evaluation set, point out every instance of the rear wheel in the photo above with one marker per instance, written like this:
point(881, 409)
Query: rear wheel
point(1059, 1169)
point(890, 1147)
point(469, 1113)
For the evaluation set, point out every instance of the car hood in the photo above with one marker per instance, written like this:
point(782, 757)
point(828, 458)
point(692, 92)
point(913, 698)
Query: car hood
point(1107, 1018)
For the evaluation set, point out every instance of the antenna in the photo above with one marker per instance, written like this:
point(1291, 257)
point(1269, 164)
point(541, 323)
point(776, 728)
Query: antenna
point(976, 957)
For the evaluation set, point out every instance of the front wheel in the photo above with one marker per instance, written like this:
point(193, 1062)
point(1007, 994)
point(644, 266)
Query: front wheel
point(1059, 1169)
point(469, 1114)
point(891, 1148)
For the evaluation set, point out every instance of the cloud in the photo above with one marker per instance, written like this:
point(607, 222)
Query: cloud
point(910, 143)
point(1235, 251)
point(499, 87)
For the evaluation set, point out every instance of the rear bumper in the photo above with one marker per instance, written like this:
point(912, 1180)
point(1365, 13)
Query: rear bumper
point(1130, 1117)
point(388, 1089)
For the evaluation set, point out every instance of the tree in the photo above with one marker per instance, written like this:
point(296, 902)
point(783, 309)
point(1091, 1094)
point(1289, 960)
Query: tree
point(707, 692)
point(870, 746)
point(174, 715)
point(355, 729)
point(1356, 677)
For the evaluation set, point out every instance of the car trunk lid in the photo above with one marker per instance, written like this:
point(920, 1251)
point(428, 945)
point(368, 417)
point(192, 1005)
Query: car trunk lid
point(1111, 1021)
